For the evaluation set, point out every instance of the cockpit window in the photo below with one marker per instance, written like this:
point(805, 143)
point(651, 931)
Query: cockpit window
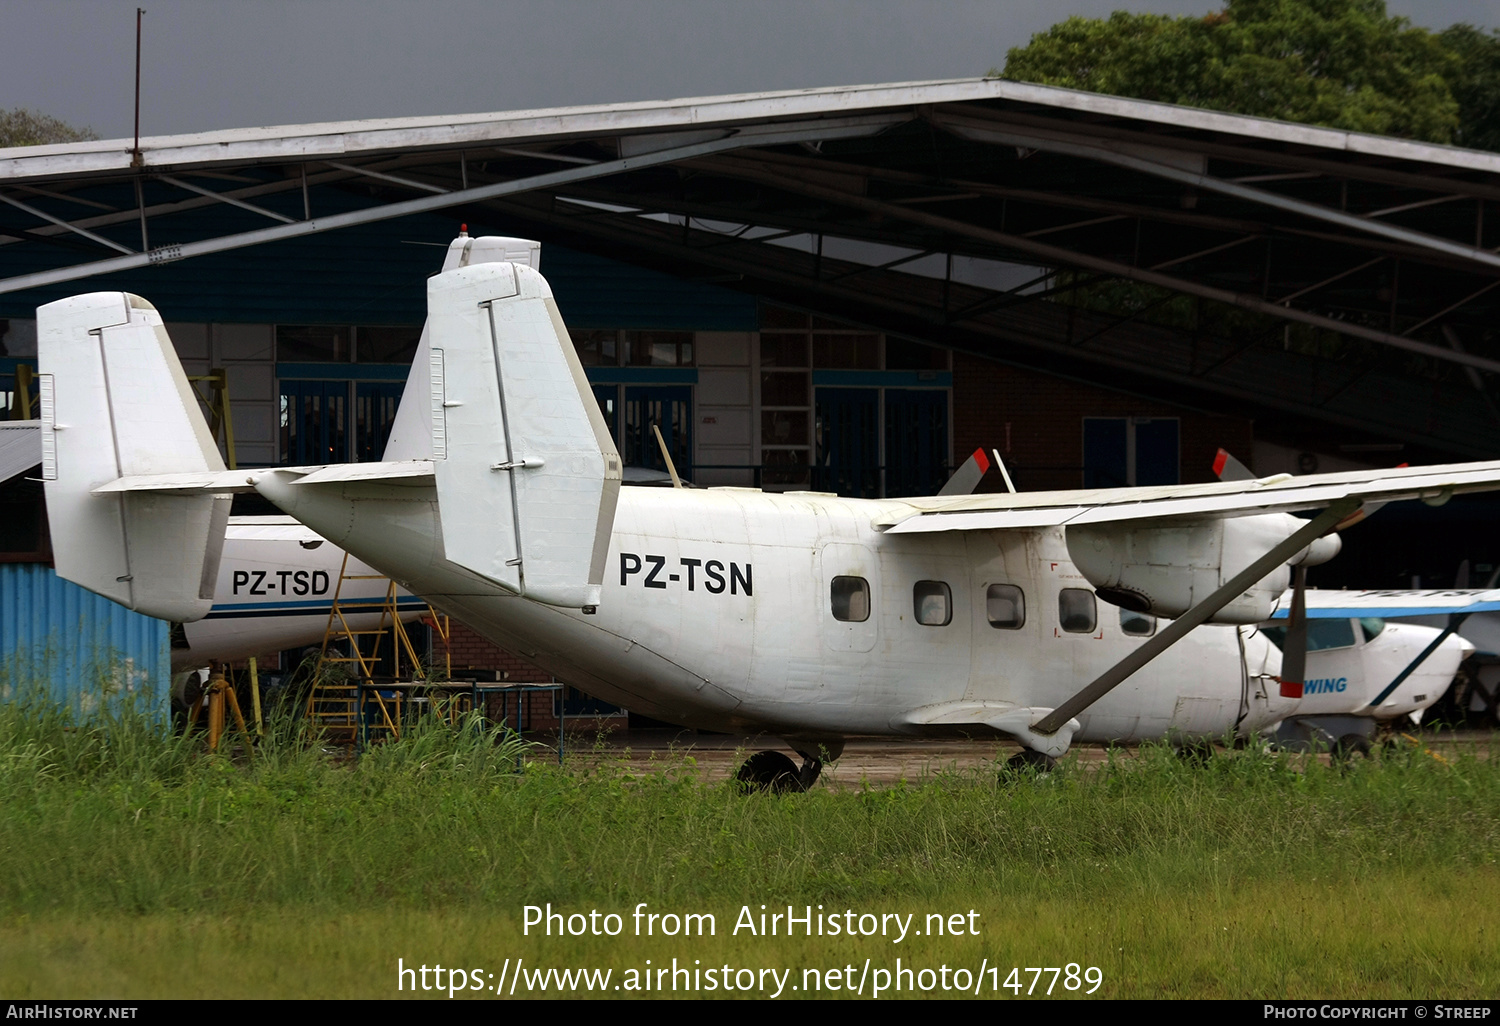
point(1321, 634)
point(1372, 626)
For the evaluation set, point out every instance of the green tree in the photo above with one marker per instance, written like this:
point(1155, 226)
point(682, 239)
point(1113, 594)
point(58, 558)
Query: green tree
point(1474, 78)
point(22, 127)
point(1341, 63)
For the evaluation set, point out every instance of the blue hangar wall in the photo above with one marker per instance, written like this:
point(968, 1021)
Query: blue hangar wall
point(366, 274)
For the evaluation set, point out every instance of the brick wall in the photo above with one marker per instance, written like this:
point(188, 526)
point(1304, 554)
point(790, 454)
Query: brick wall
point(469, 651)
point(1045, 418)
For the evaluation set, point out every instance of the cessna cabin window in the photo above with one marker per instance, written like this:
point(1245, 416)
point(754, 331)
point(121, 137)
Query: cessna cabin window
point(1005, 605)
point(1371, 626)
point(932, 603)
point(1321, 634)
point(1137, 624)
point(1075, 610)
point(851, 599)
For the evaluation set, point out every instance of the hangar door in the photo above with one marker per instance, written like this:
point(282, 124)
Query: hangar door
point(851, 442)
point(1121, 451)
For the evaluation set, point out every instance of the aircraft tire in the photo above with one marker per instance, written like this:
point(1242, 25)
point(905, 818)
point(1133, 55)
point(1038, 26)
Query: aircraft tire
point(769, 771)
point(1348, 746)
point(1027, 763)
point(1196, 753)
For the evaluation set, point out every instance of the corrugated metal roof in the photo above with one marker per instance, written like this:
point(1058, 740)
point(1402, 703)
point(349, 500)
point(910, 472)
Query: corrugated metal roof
point(78, 649)
point(285, 143)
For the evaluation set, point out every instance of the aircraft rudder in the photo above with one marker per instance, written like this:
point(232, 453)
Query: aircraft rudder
point(116, 403)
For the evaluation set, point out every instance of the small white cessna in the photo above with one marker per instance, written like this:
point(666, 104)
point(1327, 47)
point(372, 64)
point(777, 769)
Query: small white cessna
point(801, 614)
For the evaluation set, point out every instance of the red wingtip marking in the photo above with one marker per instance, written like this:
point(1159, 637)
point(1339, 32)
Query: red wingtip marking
point(982, 460)
point(1400, 465)
point(1220, 459)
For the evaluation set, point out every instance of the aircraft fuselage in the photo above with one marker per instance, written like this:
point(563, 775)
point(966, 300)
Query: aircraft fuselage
point(717, 612)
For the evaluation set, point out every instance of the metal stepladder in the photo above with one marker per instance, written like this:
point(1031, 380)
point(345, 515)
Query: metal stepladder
point(348, 711)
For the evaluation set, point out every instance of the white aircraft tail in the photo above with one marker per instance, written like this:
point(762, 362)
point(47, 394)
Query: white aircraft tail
point(411, 434)
point(116, 404)
point(527, 474)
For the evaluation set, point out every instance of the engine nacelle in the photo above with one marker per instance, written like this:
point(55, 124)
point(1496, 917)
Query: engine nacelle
point(1166, 569)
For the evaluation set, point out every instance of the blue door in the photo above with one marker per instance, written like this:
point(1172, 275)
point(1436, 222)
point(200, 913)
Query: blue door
point(1121, 451)
point(668, 407)
point(374, 413)
point(916, 441)
point(847, 442)
point(314, 415)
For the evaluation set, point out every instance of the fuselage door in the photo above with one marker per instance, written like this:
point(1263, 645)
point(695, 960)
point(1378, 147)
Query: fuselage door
point(850, 580)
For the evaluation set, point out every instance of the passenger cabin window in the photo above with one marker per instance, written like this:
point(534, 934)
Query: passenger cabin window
point(851, 599)
point(1137, 624)
point(1075, 610)
point(932, 603)
point(1005, 605)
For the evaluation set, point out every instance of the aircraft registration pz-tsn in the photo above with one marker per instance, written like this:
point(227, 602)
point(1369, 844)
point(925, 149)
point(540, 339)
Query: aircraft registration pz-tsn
point(805, 615)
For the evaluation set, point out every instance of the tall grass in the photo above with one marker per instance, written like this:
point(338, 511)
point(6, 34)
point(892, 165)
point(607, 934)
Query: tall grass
point(117, 815)
point(124, 849)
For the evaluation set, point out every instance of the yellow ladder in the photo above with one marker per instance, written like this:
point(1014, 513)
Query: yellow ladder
point(336, 707)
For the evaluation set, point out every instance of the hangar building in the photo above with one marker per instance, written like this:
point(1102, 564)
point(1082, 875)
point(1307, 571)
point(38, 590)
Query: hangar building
point(843, 289)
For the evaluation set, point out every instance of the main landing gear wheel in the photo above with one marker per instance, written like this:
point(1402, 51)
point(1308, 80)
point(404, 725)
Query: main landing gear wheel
point(771, 771)
point(1348, 747)
point(1027, 763)
point(1196, 753)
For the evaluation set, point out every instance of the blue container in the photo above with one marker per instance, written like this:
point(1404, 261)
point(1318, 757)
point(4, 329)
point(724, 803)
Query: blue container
point(78, 649)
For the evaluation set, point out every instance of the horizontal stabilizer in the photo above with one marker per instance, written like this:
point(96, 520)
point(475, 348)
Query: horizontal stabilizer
point(244, 480)
point(116, 404)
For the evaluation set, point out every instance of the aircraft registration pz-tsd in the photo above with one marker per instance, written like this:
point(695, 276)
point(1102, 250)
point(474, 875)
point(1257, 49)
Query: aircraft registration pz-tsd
point(806, 615)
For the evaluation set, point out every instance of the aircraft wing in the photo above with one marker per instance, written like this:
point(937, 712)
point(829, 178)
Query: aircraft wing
point(1332, 605)
point(1281, 494)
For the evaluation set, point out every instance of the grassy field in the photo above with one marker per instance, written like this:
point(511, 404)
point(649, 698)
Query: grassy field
point(132, 865)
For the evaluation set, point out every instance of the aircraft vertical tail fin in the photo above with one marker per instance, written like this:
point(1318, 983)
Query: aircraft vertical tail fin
point(527, 474)
point(116, 403)
point(411, 434)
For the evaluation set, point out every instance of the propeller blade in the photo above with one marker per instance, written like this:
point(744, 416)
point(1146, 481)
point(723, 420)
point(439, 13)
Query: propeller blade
point(967, 477)
point(1294, 648)
point(1227, 468)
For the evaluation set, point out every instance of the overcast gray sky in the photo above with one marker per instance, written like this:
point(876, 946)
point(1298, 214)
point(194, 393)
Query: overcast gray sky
point(239, 63)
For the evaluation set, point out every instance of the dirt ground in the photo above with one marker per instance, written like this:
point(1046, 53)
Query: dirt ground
point(880, 761)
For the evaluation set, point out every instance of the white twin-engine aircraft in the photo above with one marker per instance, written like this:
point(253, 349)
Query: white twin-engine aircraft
point(800, 614)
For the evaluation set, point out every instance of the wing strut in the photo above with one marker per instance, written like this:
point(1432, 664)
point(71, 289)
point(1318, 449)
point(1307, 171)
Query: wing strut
point(1117, 674)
